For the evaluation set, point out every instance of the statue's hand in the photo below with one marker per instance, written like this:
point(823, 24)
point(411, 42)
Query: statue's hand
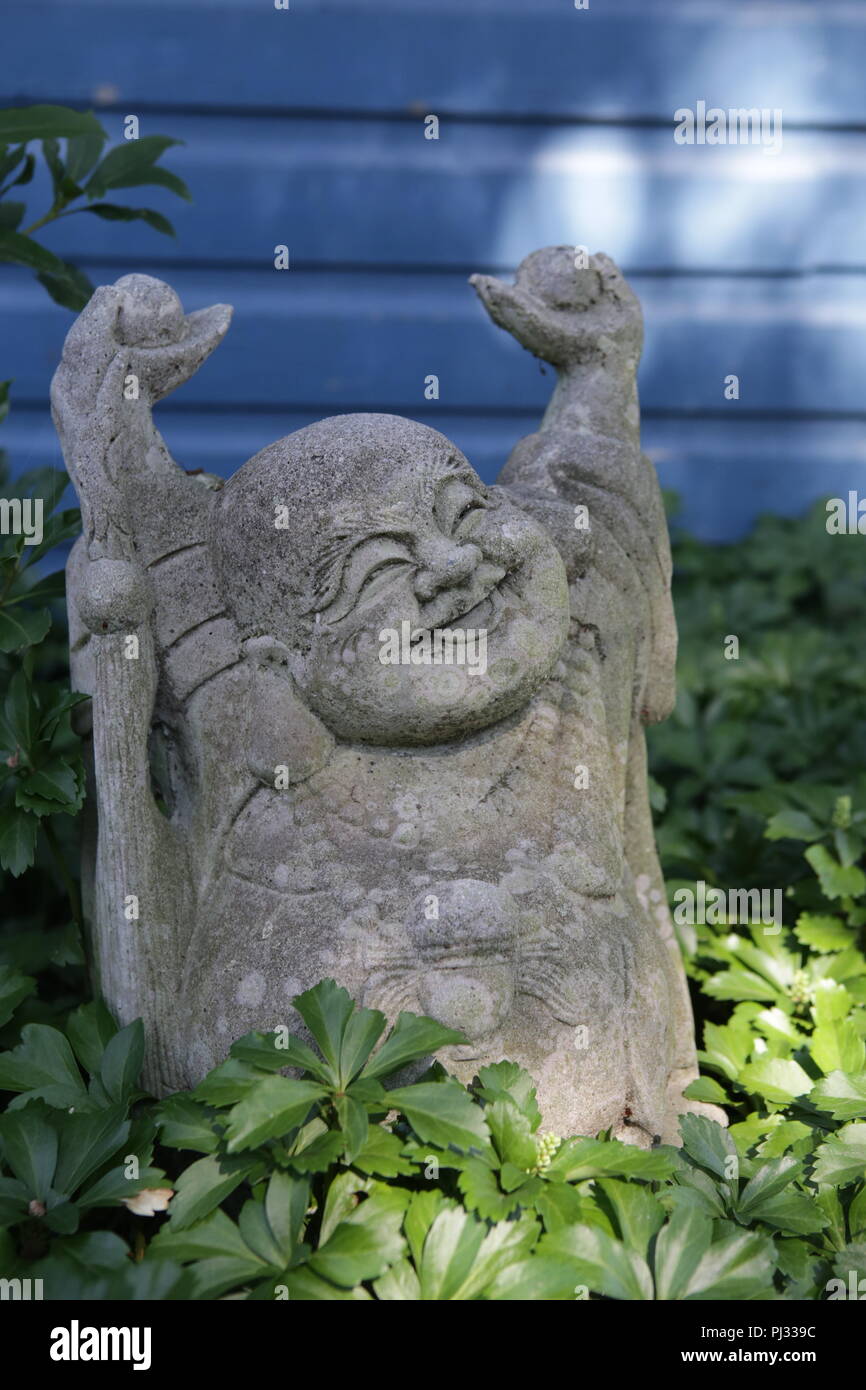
point(136, 326)
point(165, 345)
point(563, 312)
point(130, 345)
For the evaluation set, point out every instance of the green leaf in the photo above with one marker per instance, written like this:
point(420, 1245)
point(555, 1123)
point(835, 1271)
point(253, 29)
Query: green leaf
point(186, 1124)
point(285, 1208)
point(511, 1134)
point(778, 1079)
point(29, 1144)
point(842, 1157)
point(508, 1081)
point(90, 1029)
point(86, 1141)
point(709, 1145)
point(823, 933)
point(636, 1213)
point(577, 1159)
point(258, 1236)
point(43, 1065)
point(20, 711)
point(680, 1246)
point(303, 1285)
point(727, 1046)
point(11, 215)
point(131, 164)
point(461, 1259)
point(67, 286)
point(353, 1124)
point(215, 1235)
point(535, 1279)
point(14, 1201)
point(206, 1183)
point(837, 1046)
point(271, 1108)
point(482, 1193)
point(705, 1088)
point(737, 1267)
point(792, 825)
point(278, 1050)
point(560, 1204)
point(741, 985)
point(836, 881)
point(59, 702)
point(603, 1264)
point(343, 1195)
point(113, 212)
point(421, 1213)
point(366, 1242)
point(122, 1061)
point(326, 1010)
point(843, 1097)
point(381, 1155)
point(13, 989)
point(451, 1250)
point(363, 1030)
point(697, 1190)
point(44, 122)
point(857, 1215)
point(231, 1081)
point(23, 250)
point(413, 1037)
point(851, 1259)
point(55, 782)
point(317, 1155)
point(442, 1113)
point(24, 175)
point(10, 159)
point(400, 1283)
point(82, 152)
point(790, 1211)
point(63, 186)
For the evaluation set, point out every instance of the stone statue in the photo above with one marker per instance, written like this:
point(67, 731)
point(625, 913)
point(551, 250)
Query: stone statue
point(356, 714)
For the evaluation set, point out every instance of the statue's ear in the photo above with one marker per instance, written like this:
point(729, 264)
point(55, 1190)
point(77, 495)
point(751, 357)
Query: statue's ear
point(286, 742)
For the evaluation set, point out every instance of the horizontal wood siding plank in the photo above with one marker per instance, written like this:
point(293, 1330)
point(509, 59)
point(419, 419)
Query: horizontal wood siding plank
point(537, 57)
point(377, 193)
point(335, 342)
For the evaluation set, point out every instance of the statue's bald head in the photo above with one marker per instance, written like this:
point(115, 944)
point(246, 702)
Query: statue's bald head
point(284, 517)
point(332, 539)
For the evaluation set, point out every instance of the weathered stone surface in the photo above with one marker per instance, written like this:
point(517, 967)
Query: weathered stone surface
point(278, 803)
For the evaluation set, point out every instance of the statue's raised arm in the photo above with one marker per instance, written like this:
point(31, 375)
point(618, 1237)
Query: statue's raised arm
point(130, 346)
point(578, 313)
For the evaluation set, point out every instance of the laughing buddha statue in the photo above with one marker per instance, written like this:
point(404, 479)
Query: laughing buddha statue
point(280, 798)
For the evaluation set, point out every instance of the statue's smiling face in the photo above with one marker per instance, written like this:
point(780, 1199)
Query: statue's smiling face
point(440, 554)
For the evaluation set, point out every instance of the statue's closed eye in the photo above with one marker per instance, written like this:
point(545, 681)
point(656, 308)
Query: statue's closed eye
point(393, 562)
point(467, 511)
point(374, 563)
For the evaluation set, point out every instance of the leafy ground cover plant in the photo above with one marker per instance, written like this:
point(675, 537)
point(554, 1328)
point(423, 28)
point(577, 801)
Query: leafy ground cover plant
point(326, 1185)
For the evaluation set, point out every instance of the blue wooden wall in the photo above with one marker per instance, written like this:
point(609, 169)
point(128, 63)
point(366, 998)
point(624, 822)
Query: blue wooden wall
point(306, 127)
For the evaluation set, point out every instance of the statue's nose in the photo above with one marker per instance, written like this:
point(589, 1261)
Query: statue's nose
point(443, 564)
